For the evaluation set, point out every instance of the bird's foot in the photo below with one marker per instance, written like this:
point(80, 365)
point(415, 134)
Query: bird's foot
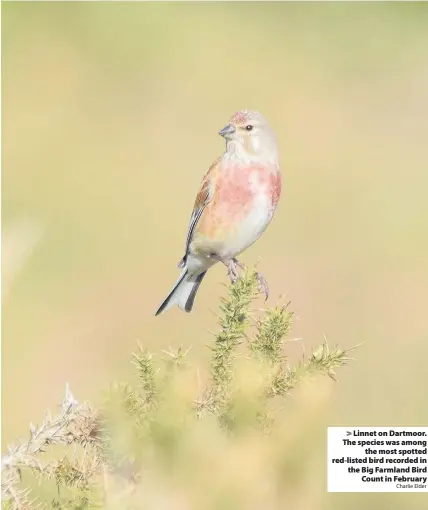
point(232, 271)
point(241, 265)
point(232, 268)
point(263, 284)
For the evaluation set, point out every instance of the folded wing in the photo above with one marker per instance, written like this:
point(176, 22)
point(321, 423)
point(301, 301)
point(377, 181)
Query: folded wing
point(202, 199)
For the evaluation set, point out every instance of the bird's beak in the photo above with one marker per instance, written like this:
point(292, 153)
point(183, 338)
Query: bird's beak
point(227, 131)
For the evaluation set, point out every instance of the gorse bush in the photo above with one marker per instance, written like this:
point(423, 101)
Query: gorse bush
point(185, 436)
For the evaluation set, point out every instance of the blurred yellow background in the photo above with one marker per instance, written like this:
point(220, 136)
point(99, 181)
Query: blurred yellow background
point(110, 118)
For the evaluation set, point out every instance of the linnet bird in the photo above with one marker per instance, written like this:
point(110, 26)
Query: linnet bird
point(235, 204)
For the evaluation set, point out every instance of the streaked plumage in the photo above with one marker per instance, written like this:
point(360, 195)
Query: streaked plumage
point(235, 204)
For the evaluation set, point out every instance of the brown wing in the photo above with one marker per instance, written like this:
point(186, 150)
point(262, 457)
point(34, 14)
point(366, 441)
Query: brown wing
point(202, 199)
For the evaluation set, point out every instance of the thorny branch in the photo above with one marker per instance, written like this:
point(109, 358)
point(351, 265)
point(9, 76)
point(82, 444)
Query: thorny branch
point(76, 424)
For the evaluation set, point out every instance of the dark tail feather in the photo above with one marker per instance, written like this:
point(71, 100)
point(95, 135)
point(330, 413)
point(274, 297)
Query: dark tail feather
point(190, 300)
point(171, 294)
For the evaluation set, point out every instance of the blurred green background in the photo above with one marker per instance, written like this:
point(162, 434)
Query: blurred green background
point(110, 118)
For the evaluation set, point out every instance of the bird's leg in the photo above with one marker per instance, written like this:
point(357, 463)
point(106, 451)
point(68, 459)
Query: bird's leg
point(263, 285)
point(241, 265)
point(231, 270)
point(233, 264)
point(261, 280)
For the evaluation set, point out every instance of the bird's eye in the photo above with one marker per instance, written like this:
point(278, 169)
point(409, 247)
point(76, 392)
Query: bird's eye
point(249, 127)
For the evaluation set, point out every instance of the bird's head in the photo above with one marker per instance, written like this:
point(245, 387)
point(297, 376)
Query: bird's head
point(248, 135)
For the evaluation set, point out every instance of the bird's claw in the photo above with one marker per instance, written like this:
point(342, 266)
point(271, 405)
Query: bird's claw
point(241, 265)
point(233, 274)
point(262, 284)
point(232, 271)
